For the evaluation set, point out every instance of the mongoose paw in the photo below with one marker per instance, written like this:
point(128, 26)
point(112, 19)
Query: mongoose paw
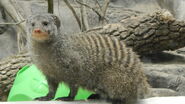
point(94, 96)
point(44, 98)
point(65, 99)
point(117, 101)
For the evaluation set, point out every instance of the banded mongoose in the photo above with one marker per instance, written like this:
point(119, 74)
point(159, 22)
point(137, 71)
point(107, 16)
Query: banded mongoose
point(95, 62)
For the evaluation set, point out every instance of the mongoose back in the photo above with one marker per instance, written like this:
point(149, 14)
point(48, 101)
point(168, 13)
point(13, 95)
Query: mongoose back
point(95, 62)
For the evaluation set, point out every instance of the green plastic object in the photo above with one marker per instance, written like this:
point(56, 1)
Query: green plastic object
point(31, 83)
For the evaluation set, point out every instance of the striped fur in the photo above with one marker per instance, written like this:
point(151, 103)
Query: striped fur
point(105, 48)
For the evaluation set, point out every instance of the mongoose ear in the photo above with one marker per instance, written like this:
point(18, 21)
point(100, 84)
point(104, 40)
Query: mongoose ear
point(57, 20)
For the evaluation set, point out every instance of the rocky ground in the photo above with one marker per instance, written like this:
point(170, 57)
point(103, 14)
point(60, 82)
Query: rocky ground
point(166, 72)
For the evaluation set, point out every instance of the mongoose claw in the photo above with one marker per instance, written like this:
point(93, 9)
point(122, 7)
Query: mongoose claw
point(65, 99)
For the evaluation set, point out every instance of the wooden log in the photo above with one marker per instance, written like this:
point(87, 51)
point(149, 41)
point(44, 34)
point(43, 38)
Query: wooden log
point(148, 34)
point(8, 69)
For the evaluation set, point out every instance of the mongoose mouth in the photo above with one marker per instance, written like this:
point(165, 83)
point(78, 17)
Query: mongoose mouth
point(41, 36)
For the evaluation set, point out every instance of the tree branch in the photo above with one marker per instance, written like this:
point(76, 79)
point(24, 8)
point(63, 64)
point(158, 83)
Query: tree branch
point(17, 23)
point(50, 6)
point(84, 19)
point(99, 6)
point(93, 9)
point(74, 13)
point(11, 10)
point(99, 13)
point(104, 9)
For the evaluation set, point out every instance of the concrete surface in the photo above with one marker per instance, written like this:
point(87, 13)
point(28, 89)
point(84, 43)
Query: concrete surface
point(153, 100)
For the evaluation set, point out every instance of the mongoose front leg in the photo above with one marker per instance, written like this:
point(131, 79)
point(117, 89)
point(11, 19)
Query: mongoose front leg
point(52, 89)
point(72, 94)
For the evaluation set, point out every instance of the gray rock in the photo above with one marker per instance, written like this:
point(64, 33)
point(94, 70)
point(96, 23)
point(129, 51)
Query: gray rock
point(161, 92)
point(168, 74)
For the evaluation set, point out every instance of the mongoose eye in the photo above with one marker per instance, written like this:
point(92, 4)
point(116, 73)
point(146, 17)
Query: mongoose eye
point(45, 23)
point(32, 24)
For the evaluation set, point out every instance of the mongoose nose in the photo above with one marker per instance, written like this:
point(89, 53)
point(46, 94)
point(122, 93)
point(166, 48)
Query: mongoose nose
point(37, 31)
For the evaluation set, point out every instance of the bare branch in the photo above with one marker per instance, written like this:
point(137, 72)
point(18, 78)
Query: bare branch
point(98, 4)
point(105, 6)
point(17, 23)
point(19, 31)
point(96, 11)
point(84, 20)
point(50, 6)
point(15, 15)
point(100, 13)
point(103, 10)
point(11, 7)
point(74, 12)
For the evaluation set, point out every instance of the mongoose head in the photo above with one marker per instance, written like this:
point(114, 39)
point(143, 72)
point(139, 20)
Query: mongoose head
point(42, 27)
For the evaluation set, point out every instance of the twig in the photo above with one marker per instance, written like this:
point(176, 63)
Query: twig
point(15, 15)
point(74, 12)
point(19, 39)
point(105, 6)
point(50, 6)
point(84, 20)
point(104, 9)
point(98, 4)
point(96, 11)
point(101, 13)
point(13, 10)
point(17, 23)
point(20, 33)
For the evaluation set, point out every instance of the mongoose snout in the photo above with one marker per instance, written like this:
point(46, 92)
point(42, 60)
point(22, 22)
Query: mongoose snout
point(37, 31)
point(40, 35)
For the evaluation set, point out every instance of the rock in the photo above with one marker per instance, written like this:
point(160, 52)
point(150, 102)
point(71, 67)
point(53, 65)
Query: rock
point(162, 92)
point(163, 100)
point(167, 71)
